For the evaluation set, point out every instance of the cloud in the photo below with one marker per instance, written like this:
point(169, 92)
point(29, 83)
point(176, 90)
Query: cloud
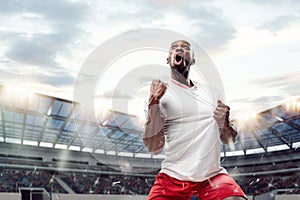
point(214, 31)
point(37, 51)
point(214, 35)
point(280, 23)
point(275, 91)
point(267, 101)
point(65, 17)
point(40, 48)
point(40, 51)
point(114, 94)
point(58, 79)
point(57, 11)
point(262, 101)
point(209, 26)
point(135, 13)
point(275, 2)
point(248, 106)
point(286, 87)
point(287, 83)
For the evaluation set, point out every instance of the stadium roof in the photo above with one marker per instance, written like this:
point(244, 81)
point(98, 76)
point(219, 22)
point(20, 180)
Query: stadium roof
point(39, 120)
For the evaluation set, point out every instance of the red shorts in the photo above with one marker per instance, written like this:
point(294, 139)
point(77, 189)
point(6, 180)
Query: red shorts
point(216, 188)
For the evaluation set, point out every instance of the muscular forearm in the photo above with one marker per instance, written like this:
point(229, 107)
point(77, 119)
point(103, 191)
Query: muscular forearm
point(155, 143)
point(228, 133)
point(153, 132)
point(153, 135)
point(154, 123)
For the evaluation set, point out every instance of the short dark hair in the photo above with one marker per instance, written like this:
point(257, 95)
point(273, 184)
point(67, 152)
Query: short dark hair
point(181, 41)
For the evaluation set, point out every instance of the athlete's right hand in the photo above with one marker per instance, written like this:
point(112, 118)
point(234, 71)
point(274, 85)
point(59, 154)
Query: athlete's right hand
point(157, 90)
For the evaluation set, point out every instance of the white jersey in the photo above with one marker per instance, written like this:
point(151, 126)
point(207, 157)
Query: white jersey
point(192, 145)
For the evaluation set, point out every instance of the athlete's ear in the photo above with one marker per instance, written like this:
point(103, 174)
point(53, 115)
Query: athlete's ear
point(168, 60)
point(193, 61)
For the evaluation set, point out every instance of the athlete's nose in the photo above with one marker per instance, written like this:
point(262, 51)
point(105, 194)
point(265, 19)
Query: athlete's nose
point(179, 50)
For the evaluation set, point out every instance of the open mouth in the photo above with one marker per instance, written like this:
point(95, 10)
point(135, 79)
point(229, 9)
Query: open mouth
point(178, 59)
point(180, 63)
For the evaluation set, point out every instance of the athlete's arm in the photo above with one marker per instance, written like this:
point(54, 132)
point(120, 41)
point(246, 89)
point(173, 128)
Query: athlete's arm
point(154, 138)
point(221, 115)
point(228, 133)
point(153, 135)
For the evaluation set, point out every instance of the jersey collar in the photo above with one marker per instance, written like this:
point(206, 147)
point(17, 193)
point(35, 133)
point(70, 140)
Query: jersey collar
point(194, 87)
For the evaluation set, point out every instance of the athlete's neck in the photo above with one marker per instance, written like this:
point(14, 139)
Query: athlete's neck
point(181, 79)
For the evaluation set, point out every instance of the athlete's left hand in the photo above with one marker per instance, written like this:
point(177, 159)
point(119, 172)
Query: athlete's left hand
point(221, 114)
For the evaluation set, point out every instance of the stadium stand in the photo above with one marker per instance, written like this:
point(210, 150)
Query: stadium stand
point(49, 143)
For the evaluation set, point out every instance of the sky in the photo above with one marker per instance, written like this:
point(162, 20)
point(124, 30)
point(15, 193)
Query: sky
point(254, 44)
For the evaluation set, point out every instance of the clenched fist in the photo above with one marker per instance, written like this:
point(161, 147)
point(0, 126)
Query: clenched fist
point(221, 114)
point(157, 90)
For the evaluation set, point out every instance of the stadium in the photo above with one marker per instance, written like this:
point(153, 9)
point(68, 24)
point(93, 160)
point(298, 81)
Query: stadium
point(50, 149)
point(78, 134)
